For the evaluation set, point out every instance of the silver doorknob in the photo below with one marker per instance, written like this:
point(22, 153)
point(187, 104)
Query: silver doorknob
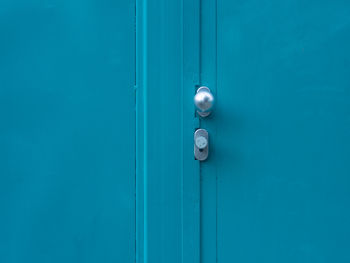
point(204, 101)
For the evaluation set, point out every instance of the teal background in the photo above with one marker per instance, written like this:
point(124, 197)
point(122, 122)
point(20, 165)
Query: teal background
point(97, 122)
point(67, 131)
point(277, 185)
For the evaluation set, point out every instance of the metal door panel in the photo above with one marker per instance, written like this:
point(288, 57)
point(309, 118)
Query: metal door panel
point(67, 131)
point(282, 130)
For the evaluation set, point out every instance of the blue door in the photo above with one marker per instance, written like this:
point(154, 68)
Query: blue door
point(67, 131)
point(97, 128)
point(276, 186)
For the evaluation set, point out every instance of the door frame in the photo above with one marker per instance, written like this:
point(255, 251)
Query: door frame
point(167, 176)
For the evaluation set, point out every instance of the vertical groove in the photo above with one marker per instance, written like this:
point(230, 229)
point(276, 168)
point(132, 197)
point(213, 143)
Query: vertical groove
point(136, 128)
point(216, 132)
point(145, 129)
point(182, 129)
point(199, 125)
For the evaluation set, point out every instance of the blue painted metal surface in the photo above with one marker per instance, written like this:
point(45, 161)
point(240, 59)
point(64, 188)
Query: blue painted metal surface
point(279, 169)
point(168, 179)
point(67, 122)
point(275, 188)
point(167, 174)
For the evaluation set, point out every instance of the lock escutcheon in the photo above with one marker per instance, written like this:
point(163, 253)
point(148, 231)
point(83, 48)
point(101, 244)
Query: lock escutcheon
point(201, 144)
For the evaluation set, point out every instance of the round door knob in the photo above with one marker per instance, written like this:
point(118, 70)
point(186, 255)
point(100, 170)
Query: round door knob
point(204, 101)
